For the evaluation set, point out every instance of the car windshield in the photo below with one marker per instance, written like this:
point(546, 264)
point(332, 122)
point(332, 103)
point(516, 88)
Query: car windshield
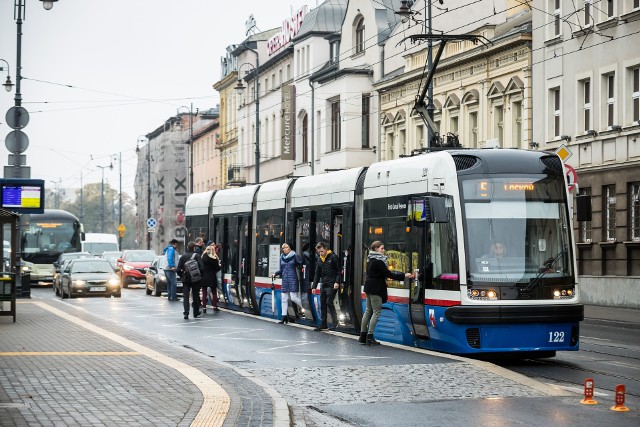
point(139, 256)
point(91, 267)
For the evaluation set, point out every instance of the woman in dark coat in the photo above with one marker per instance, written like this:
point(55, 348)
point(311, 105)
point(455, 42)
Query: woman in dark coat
point(375, 286)
point(212, 265)
point(290, 265)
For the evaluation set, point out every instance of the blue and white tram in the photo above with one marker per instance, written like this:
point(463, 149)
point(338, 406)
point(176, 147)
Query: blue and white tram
point(441, 215)
point(198, 215)
point(271, 214)
point(323, 208)
point(233, 214)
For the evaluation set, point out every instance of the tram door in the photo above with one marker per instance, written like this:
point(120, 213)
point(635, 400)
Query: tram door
point(418, 246)
point(342, 242)
point(305, 241)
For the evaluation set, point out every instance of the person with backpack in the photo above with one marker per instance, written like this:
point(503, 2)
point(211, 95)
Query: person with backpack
point(190, 269)
point(170, 272)
point(327, 279)
point(290, 269)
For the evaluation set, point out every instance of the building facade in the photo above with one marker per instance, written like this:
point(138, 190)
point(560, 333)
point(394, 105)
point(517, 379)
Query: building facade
point(206, 152)
point(586, 76)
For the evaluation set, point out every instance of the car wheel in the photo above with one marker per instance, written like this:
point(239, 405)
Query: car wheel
point(118, 295)
point(56, 290)
point(156, 292)
point(148, 290)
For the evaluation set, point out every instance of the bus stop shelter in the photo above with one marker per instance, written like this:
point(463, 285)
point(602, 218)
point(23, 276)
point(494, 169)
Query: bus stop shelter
point(9, 231)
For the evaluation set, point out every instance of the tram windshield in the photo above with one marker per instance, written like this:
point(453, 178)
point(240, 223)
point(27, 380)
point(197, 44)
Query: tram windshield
point(517, 228)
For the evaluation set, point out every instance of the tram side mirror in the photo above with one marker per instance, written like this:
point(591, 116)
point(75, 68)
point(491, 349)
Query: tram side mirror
point(436, 210)
point(583, 207)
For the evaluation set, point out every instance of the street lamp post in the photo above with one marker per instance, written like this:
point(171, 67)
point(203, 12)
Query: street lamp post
point(102, 196)
point(17, 167)
point(240, 87)
point(190, 146)
point(142, 138)
point(8, 85)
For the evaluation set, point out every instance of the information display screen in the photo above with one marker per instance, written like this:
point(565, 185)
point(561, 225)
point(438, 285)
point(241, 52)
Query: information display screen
point(22, 195)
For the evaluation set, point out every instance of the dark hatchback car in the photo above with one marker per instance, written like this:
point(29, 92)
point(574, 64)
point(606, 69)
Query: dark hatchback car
point(59, 264)
point(132, 266)
point(156, 279)
point(89, 276)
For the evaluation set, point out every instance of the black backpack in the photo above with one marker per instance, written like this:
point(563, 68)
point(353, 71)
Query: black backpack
point(192, 269)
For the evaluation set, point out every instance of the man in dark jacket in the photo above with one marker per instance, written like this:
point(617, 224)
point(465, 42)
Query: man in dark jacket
point(187, 283)
point(327, 279)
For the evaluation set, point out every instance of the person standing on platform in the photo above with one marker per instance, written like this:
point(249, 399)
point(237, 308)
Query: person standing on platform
point(327, 280)
point(170, 272)
point(191, 284)
point(375, 286)
point(290, 268)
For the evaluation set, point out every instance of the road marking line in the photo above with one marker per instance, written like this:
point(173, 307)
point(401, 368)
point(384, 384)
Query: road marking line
point(216, 401)
point(578, 390)
point(69, 353)
point(286, 346)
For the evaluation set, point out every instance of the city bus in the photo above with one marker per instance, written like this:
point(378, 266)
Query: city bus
point(488, 234)
point(44, 237)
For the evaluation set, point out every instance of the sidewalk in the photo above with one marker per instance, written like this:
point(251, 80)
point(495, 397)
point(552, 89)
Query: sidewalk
point(63, 369)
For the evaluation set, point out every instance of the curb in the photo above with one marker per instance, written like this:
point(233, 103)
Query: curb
point(612, 323)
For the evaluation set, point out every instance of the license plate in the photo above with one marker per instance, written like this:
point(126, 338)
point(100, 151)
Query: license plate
point(97, 289)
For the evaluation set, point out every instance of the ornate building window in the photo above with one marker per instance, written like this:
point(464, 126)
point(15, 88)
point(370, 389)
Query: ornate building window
point(359, 35)
point(634, 211)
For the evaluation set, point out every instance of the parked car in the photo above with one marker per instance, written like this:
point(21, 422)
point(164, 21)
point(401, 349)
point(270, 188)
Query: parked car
point(112, 257)
point(132, 266)
point(58, 265)
point(156, 279)
point(89, 276)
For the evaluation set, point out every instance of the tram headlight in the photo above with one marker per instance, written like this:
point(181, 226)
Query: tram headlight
point(563, 293)
point(482, 294)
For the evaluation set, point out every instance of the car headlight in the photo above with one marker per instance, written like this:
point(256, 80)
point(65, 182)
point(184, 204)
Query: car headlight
point(113, 281)
point(26, 269)
point(162, 278)
point(79, 283)
point(128, 267)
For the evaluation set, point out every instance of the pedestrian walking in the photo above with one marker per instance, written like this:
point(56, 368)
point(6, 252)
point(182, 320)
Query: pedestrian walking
point(327, 280)
point(199, 249)
point(290, 270)
point(191, 279)
point(375, 286)
point(212, 265)
point(170, 272)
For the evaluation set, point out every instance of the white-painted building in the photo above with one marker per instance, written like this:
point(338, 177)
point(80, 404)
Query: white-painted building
point(586, 80)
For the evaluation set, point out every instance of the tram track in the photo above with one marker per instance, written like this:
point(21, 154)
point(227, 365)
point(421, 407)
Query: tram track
point(609, 363)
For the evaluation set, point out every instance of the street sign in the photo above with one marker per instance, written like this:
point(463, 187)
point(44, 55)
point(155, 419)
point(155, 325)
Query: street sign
point(16, 142)
point(121, 230)
point(564, 153)
point(17, 117)
point(151, 230)
point(572, 176)
point(152, 223)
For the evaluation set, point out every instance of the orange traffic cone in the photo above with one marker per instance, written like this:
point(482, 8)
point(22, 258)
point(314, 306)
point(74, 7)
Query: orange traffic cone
point(588, 393)
point(619, 406)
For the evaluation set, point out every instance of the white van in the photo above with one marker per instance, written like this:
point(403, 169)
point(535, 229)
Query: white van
point(97, 243)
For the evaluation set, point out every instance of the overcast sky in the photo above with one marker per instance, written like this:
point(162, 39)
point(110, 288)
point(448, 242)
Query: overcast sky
point(130, 65)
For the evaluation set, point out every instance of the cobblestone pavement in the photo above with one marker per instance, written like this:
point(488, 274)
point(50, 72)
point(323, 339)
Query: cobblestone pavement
point(56, 373)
